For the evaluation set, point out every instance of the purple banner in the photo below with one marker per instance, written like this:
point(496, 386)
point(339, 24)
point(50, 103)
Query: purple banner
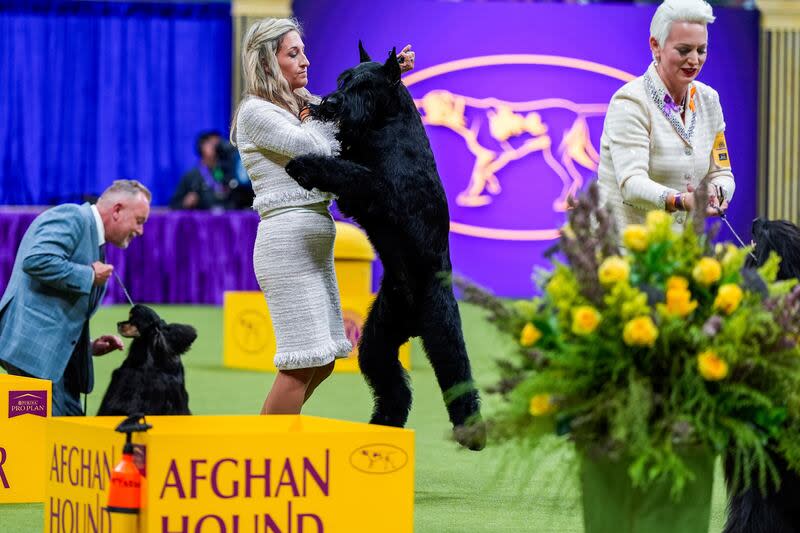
point(24, 402)
point(513, 97)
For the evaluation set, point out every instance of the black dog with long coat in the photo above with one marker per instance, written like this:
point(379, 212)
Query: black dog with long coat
point(386, 179)
point(151, 378)
point(750, 511)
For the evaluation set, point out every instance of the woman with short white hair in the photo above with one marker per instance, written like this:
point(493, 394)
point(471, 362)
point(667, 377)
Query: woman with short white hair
point(664, 132)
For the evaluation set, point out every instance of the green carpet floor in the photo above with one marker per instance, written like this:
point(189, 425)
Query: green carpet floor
point(456, 491)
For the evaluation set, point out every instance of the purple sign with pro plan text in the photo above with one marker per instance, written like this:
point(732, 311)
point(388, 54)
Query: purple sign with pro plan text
point(24, 402)
point(513, 97)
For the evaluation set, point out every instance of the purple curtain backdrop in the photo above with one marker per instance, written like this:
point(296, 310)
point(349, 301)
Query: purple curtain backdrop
point(184, 257)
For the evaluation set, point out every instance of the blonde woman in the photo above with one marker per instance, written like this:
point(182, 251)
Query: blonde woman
point(293, 254)
point(664, 132)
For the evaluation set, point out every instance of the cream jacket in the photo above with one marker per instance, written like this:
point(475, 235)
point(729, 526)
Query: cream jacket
point(648, 152)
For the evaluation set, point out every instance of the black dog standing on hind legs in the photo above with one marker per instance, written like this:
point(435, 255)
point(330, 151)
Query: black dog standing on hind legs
point(386, 179)
point(151, 378)
point(777, 511)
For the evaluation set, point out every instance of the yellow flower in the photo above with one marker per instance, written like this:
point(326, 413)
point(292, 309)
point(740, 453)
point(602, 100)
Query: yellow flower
point(728, 298)
point(658, 219)
point(530, 335)
point(679, 302)
point(542, 404)
point(585, 319)
point(711, 367)
point(613, 270)
point(641, 331)
point(707, 271)
point(677, 282)
point(635, 237)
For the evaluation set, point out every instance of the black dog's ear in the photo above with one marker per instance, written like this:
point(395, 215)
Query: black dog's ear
point(392, 67)
point(179, 337)
point(363, 56)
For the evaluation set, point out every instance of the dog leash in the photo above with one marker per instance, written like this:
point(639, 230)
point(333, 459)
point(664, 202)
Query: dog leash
point(723, 216)
point(124, 290)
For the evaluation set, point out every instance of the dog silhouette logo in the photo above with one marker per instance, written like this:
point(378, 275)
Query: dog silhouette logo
point(251, 331)
point(27, 402)
point(379, 458)
point(544, 141)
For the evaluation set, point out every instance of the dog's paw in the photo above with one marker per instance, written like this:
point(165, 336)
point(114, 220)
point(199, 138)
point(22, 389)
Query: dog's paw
point(472, 434)
point(301, 169)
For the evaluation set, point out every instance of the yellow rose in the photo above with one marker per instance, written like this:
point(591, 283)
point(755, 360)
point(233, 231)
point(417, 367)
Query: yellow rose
point(728, 298)
point(635, 237)
point(584, 320)
point(677, 282)
point(711, 367)
point(679, 302)
point(613, 270)
point(707, 271)
point(542, 404)
point(658, 219)
point(530, 335)
point(641, 331)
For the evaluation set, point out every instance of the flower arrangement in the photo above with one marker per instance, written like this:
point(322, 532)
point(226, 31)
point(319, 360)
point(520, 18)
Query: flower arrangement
point(662, 344)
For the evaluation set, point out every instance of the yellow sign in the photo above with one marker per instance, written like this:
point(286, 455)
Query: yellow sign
point(25, 405)
point(236, 474)
point(249, 340)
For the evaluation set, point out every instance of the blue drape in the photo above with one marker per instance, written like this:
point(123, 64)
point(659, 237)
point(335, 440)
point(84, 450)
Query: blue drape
point(95, 91)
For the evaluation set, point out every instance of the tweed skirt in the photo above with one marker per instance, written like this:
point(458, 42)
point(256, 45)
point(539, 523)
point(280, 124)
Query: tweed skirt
point(293, 261)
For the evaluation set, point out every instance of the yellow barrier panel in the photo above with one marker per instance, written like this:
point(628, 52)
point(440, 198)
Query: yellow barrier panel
point(25, 405)
point(249, 340)
point(235, 474)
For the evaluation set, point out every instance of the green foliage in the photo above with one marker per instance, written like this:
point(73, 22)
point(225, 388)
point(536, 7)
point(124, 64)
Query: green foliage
point(676, 352)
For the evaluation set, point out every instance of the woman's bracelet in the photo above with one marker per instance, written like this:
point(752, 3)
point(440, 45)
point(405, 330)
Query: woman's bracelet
point(679, 205)
point(669, 205)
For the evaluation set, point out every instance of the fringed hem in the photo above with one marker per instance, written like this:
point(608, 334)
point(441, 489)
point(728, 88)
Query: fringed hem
point(335, 349)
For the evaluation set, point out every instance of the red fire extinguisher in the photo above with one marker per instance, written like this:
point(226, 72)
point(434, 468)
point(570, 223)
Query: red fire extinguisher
point(124, 493)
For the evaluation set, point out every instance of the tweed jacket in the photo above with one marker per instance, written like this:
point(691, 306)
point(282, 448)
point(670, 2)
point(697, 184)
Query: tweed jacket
point(648, 152)
point(46, 307)
point(268, 136)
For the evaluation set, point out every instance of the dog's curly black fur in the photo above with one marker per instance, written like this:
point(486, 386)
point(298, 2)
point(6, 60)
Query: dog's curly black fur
point(750, 511)
point(386, 179)
point(151, 378)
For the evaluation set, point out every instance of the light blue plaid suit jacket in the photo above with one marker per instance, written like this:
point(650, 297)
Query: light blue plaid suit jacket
point(45, 310)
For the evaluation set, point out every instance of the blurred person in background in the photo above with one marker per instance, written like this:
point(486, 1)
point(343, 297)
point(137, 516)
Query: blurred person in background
point(217, 182)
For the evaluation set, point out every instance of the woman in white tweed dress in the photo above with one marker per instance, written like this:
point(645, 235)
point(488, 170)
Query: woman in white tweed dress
point(664, 131)
point(293, 254)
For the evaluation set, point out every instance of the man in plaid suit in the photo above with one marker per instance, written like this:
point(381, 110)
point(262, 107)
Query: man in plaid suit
point(58, 281)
